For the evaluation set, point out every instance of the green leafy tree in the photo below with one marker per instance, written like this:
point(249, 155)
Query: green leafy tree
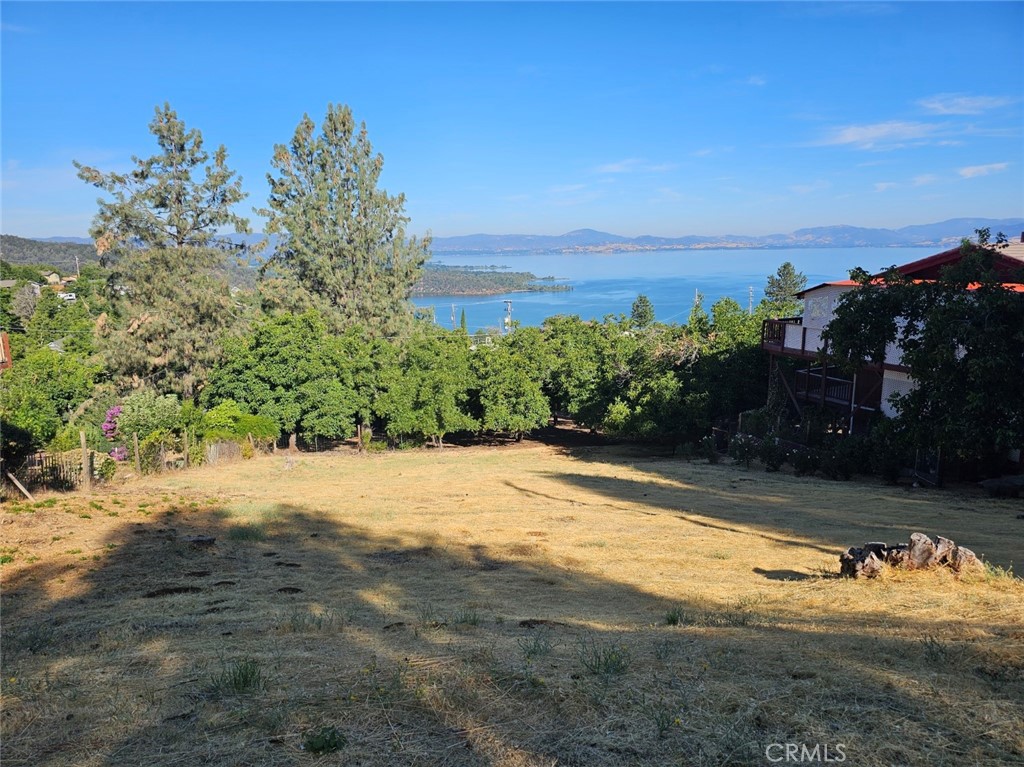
point(962, 336)
point(510, 374)
point(160, 230)
point(64, 323)
point(642, 313)
point(41, 391)
point(343, 247)
point(293, 371)
point(429, 392)
point(699, 324)
point(781, 290)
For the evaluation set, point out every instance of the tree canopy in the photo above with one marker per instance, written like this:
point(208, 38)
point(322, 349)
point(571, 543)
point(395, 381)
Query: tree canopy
point(343, 247)
point(962, 336)
point(161, 231)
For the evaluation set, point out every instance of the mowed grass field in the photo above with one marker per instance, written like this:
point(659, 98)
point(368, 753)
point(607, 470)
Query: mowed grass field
point(521, 605)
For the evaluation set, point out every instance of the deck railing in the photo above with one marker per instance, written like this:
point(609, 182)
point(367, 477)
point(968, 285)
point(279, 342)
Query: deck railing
point(792, 336)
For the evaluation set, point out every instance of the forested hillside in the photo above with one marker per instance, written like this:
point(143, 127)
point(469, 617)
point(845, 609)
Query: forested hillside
point(439, 280)
point(57, 255)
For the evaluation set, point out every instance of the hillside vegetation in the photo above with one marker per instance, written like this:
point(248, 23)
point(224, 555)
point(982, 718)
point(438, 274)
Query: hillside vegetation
point(438, 280)
point(57, 255)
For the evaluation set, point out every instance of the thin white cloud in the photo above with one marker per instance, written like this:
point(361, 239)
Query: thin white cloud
point(973, 171)
point(703, 152)
point(622, 166)
point(667, 194)
point(879, 135)
point(633, 165)
point(14, 28)
point(925, 179)
point(756, 80)
point(885, 186)
point(814, 186)
point(959, 104)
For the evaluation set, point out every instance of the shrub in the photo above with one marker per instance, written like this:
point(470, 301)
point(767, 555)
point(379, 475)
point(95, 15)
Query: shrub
point(708, 449)
point(890, 451)
point(107, 468)
point(772, 453)
point(806, 461)
point(67, 439)
point(222, 418)
point(742, 449)
point(842, 457)
point(153, 448)
point(145, 412)
point(755, 422)
point(261, 427)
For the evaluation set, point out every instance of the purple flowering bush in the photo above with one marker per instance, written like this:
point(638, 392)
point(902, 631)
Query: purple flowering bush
point(109, 426)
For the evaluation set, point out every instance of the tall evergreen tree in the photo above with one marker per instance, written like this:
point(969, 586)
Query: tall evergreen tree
point(780, 292)
point(642, 313)
point(343, 247)
point(160, 231)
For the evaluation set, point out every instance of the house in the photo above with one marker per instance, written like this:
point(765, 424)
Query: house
point(854, 399)
point(5, 350)
point(52, 278)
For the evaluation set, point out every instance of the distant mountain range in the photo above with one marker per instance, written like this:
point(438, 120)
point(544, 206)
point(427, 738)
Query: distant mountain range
point(944, 234)
point(941, 235)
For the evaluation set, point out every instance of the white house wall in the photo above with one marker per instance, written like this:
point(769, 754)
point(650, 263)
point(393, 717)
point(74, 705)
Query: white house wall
point(820, 305)
point(894, 382)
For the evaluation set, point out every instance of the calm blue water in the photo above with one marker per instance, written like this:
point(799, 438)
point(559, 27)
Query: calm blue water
point(608, 283)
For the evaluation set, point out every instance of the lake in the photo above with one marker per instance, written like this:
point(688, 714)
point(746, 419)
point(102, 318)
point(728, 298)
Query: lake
point(608, 283)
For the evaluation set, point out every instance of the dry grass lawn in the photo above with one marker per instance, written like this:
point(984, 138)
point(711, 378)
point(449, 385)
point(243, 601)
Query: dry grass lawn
point(528, 605)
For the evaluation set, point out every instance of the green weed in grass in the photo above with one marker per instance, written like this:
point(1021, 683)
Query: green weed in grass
point(324, 740)
point(535, 645)
point(240, 677)
point(248, 532)
point(609, 659)
point(466, 617)
point(299, 621)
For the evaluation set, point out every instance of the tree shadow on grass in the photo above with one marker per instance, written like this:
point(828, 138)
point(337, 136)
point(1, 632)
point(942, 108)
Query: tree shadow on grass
point(162, 648)
point(807, 512)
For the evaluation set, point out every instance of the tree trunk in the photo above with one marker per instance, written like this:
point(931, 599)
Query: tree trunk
point(292, 445)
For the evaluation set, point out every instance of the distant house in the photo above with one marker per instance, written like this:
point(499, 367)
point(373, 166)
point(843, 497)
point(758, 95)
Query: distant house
point(854, 398)
point(52, 278)
point(5, 351)
point(7, 284)
point(69, 297)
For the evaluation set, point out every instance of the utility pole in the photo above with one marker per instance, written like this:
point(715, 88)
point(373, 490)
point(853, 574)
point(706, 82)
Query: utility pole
point(508, 316)
point(750, 300)
point(453, 316)
point(78, 269)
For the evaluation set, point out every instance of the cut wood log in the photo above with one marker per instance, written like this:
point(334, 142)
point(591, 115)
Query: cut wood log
point(922, 552)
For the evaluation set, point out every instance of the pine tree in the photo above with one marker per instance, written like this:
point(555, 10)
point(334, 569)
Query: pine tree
point(160, 231)
point(642, 313)
point(780, 292)
point(343, 247)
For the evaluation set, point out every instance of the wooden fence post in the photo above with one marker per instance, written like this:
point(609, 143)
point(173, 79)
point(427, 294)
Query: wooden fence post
point(138, 460)
point(86, 465)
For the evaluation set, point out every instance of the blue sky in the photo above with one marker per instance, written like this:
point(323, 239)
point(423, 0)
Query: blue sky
point(653, 118)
